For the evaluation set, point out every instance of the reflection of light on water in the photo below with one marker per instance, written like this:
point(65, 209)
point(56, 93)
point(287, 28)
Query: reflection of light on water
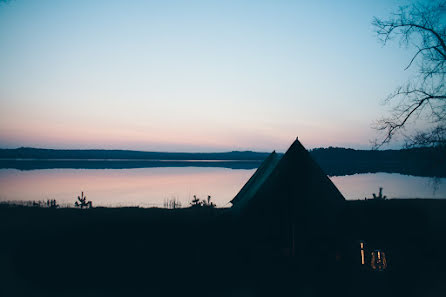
point(395, 185)
point(146, 187)
point(150, 187)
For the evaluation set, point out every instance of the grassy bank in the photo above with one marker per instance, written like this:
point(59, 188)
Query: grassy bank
point(209, 252)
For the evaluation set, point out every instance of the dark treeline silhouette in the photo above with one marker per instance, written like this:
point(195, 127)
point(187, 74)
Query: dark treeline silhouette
point(32, 164)
point(37, 153)
point(416, 161)
point(334, 161)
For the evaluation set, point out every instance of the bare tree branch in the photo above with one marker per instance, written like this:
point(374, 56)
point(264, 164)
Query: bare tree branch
point(423, 97)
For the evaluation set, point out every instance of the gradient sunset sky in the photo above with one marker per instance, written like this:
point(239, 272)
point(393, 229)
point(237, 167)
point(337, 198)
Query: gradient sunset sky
point(194, 75)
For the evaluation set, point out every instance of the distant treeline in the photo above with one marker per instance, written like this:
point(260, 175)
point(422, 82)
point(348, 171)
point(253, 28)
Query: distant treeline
point(416, 161)
point(334, 161)
point(31, 164)
point(36, 153)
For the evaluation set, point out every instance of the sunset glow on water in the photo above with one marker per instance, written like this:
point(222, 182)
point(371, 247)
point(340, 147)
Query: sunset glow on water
point(150, 187)
point(144, 187)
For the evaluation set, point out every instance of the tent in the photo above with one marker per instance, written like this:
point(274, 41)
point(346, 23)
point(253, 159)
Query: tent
point(295, 176)
point(288, 194)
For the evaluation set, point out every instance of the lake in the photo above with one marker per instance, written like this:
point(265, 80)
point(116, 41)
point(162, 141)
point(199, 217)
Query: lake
point(148, 187)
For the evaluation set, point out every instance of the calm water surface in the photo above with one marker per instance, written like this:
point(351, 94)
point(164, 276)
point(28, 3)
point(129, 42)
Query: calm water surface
point(152, 186)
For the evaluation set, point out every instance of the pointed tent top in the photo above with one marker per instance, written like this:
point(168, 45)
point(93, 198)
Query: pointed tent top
point(294, 171)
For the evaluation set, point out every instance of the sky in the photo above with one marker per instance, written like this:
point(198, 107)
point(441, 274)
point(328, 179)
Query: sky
point(194, 76)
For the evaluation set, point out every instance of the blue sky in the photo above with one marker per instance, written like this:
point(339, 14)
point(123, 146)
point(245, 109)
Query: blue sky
point(194, 75)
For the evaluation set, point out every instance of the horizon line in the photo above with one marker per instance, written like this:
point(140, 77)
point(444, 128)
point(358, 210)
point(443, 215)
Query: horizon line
point(197, 152)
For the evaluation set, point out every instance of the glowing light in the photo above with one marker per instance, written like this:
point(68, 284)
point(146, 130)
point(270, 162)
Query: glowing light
point(362, 253)
point(378, 262)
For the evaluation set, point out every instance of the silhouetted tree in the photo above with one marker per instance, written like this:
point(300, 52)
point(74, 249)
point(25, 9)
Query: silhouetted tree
point(422, 26)
point(380, 195)
point(82, 202)
point(195, 202)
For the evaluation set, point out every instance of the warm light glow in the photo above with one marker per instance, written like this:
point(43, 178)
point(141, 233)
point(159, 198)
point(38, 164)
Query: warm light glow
point(378, 262)
point(362, 253)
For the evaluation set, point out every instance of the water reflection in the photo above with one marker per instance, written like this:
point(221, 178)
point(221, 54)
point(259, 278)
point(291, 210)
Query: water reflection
point(123, 187)
point(152, 186)
point(394, 185)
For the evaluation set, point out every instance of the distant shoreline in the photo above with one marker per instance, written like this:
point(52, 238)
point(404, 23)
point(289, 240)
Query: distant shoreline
point(36, 153)
point(35, 164)
point(124, 160)
point(427, 162)
point(330, 168)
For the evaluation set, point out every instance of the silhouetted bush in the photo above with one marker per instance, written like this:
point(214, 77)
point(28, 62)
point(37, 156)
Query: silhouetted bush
point(208, 203)
point(379, 196)
point(196, 202)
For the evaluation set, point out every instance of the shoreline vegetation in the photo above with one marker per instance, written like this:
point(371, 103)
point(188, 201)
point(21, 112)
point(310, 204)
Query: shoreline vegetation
point(428, 162)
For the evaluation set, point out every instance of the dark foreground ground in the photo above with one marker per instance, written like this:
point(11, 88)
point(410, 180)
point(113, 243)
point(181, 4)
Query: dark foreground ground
point(209, 252)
